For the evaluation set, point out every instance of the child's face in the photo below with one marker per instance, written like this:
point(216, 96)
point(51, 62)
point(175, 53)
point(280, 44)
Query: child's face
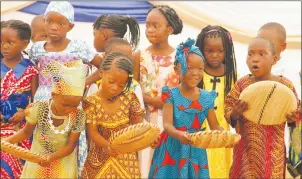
point(157, 27)
point(113, 81)
point(99, 40)
point(101, 36)
point(66, 104)
point(260, 58)
point(56, 26)
point(11, 44)
point(194, 73)
point(37, 30)
point(273, 36)
point(214, 51)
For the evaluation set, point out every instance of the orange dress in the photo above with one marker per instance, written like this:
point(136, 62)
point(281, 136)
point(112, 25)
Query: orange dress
point(98, 163)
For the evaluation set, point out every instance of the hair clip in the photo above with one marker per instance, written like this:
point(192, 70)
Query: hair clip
point(212, 30)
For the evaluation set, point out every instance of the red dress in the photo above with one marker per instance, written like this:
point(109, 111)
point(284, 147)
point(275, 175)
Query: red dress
point(14, 81)
point(261, 151)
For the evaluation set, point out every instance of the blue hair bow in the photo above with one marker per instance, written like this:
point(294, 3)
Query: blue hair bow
point(183, 50)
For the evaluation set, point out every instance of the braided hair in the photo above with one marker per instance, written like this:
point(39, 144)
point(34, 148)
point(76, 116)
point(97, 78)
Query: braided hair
point(170, 14)
point(229, 59)
point(118, 24)
point(21, 27)
point(123, 62)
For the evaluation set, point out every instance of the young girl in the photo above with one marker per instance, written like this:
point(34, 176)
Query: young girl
point(123, 46)
point(18, 85)
point(156, 65)
point(109, 26)
point(109, 110)
point(113, 45)
point(185, 109)
point(261, 151)
point(220, 74)
point(56, 124)
point(59, 20)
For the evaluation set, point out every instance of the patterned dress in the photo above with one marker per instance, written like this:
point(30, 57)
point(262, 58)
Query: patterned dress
point(98, 163)
point(46, 141)
point(14, 82)
point(220, 159)
point(76, 50)
point(155, 72)
point(261, 151)
point(171, 158)
point(294, 165)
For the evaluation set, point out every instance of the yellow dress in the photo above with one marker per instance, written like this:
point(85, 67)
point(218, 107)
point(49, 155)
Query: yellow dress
point(98, 163)
point(219, 160)
point(46, 141)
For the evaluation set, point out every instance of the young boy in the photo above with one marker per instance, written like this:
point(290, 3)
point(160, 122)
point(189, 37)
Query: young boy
point(38, 30)
point(277, 34)
point(260, 153)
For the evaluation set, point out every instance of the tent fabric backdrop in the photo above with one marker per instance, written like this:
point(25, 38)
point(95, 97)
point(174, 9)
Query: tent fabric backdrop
point(242, 19)
point(89, 11)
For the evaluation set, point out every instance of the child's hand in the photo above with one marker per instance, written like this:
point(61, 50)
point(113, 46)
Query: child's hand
point(184, 138)
point(111, 152)
point(47, 162)
point(155, 143)
point(292, 117)
point(17, 117)
point(219, 128)
point(238, 108)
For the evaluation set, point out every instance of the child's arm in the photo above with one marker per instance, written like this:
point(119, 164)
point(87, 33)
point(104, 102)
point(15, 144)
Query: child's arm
point(169, 127)
point(233, 106)
point(293, 117)
point(137, 112)
point(95, 136)
point(66, 150)
point(34, 85)
point(99, 140)
point(22, 134)
point(212, 120)
point(97, 61)
point(136, 62)
point(95, 76)
point(153, 101)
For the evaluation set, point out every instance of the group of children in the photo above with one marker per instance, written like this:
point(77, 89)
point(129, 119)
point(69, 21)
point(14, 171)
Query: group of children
point(184, 90)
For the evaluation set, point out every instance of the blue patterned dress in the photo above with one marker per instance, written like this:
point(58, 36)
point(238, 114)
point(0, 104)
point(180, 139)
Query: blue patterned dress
point(75, 50)
point(172, 159)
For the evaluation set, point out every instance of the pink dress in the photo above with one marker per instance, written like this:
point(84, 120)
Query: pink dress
point(156, 71)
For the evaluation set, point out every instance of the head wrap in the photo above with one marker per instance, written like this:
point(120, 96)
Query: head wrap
point(67, 79)
point(62, 7)
point(183, 50)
